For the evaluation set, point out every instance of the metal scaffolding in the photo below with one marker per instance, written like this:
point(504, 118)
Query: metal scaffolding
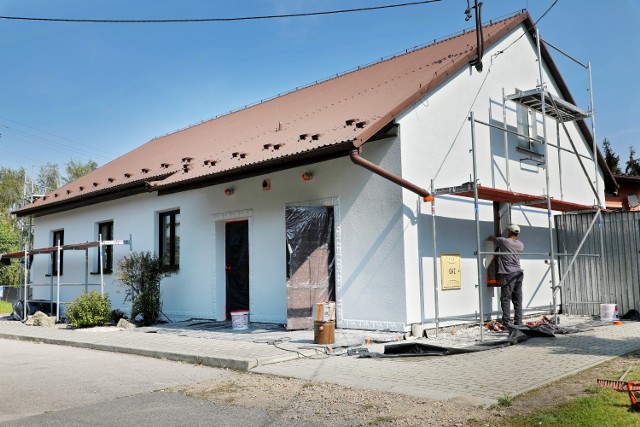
point(28, 253)
point(551, 107)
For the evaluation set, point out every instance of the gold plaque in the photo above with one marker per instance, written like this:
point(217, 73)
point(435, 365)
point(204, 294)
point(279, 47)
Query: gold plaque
point(450, 269)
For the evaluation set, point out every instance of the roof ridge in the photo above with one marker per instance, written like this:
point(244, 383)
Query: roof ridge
point(407, 51)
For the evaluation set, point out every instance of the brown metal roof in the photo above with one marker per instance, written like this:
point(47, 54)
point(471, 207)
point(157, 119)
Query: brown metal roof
point(306, 125)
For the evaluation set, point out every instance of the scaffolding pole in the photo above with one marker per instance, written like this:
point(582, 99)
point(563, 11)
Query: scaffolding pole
point(101, 262)
point(477, 217)
point(552, 257)
point(436, 296)
point(420, 268)
point(506, 139)
point(59, 251)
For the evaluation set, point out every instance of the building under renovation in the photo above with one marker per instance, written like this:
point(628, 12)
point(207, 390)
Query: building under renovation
point(376, 189)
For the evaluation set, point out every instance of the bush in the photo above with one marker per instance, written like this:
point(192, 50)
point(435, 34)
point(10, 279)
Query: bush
point(89, 310)
point(141, 273)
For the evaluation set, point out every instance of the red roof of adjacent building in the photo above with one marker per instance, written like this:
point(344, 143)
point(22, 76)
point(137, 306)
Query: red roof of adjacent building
point(317, 122)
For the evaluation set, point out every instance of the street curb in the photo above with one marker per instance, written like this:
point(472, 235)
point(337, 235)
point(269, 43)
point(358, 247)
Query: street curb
point(236, 363)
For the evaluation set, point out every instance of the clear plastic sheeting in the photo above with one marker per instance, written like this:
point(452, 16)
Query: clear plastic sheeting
point(310, 262)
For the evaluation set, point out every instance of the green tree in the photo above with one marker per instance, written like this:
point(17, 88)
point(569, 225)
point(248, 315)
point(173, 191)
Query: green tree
point(49, 177)
point(633, 164)
point(11, 188)
point(612, 159)
point(9, 242)
point(76, 168)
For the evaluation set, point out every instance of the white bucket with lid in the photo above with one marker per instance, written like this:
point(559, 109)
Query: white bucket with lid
point(608, 312)
point(240, 319)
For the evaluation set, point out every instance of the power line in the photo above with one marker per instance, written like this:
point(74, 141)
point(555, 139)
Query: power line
point(58, 147)
point(94, 150)
point(233, 19)
point(522, 35)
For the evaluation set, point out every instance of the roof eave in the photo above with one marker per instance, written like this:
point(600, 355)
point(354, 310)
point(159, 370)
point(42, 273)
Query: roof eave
point(131, 189)
point(273, 165)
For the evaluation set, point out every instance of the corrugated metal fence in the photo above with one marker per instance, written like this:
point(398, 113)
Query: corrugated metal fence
point(613, 278)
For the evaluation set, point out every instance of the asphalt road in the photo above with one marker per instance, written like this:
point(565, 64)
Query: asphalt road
point(44, 385)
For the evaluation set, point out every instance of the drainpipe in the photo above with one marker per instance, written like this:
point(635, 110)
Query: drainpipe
point(355, 158)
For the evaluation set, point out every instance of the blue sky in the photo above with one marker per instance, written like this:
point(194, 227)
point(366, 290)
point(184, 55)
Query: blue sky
point(96, 91)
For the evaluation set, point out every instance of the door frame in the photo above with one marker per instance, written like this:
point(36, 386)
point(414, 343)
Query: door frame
point(219, 281)
point(333, 202)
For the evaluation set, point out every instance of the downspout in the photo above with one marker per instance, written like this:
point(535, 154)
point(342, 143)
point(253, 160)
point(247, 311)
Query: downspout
point(355, 158)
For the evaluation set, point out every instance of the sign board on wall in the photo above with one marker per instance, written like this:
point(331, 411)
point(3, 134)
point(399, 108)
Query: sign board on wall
point(450, 271)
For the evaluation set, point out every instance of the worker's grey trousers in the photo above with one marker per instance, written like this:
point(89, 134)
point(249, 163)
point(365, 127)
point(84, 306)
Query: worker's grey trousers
point(511, 291)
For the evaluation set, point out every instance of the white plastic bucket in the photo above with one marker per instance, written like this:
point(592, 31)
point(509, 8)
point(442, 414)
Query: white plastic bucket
point(240, 319)
point(608, 311)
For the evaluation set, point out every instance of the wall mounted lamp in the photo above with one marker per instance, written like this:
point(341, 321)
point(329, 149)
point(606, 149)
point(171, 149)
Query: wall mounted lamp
point(229, 192)
point(307, 176)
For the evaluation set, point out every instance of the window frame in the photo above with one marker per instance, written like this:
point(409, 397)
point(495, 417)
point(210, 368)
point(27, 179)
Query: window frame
point(55, 236)
point(527, 125)
point(107, 250)
point(173, 249)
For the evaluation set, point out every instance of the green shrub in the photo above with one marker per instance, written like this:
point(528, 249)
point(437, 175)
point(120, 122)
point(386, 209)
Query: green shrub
point(141, 273)
point(89, 310)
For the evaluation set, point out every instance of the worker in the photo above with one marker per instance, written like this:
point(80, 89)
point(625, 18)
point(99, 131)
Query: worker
point(510, 274)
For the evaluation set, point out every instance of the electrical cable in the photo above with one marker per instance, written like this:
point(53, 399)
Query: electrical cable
point(535, 23)
point(275, 343)
point(243, 18)
point(481, 86)
point(94, 149)
point(55, 146)
point(466, 118)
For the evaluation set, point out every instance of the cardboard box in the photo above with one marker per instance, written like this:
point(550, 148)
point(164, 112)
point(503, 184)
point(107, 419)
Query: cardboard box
point(324, 311)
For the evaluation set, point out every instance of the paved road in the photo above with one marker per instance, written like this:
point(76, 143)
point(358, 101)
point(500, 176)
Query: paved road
point(44, 385)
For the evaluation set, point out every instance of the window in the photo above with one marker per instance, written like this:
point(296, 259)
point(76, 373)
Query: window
point(57, 239)
point(105, 232)
point(527, 126)
point(169, 239)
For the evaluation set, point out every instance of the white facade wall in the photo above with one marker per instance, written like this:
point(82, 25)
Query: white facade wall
point(369, 247)
point(436, 143)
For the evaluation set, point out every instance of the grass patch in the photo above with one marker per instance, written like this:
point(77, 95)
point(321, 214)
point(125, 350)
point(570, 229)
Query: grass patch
point(505, 400)
point(5, 307)
point(382, 419)
point(604, 408)
point(227, 388)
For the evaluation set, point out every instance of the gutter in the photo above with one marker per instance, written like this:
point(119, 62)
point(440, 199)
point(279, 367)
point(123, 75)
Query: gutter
point(355, 158)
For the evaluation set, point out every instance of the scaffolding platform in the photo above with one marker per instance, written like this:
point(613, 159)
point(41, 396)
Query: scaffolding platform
point(566, 111)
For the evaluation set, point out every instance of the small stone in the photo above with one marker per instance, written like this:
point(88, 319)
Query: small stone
point(41, 319)
point(125, 324)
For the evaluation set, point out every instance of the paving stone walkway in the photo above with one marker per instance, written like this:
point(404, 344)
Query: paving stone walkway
point(480, 377)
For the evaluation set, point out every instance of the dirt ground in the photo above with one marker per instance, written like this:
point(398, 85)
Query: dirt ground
point(336, 405)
